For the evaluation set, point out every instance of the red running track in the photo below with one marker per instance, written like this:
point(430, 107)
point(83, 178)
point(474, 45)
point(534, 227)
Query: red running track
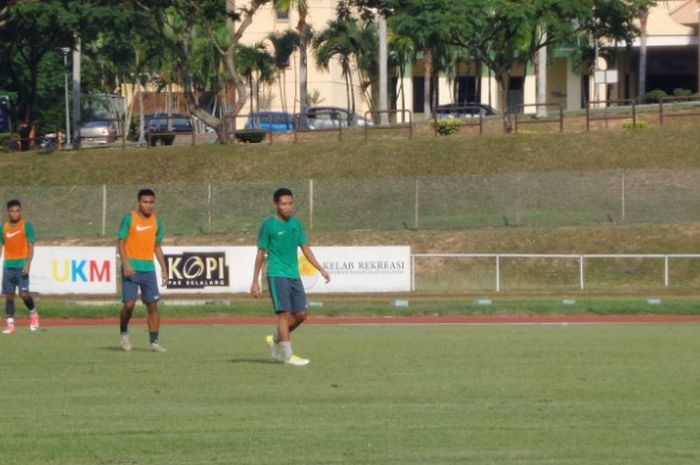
point(394, 320)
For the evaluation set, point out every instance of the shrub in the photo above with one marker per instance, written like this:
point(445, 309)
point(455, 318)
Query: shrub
point(8, 141)
point(655, 95)
point(640, 124)
point(251, 136)
point(682, 92)
point(446, 127)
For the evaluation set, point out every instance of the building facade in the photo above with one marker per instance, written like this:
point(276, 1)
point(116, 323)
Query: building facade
point(672, 63)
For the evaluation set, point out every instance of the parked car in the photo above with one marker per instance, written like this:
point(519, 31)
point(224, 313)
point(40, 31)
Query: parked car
point(333, 117)
point(97, 133)
point(163, 129)
point(271, 121)
point(464, 110)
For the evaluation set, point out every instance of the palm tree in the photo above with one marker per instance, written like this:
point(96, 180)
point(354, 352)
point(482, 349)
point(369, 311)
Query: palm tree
point(284, 44)
point(402, 52)
point(367, 58)
point(341, 40)
point(255, 64)
point(304, 31)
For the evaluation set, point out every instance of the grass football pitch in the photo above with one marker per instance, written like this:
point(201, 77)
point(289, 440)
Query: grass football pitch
point(489, 394)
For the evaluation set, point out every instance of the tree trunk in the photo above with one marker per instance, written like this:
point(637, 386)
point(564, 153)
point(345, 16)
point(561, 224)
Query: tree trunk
point(347, 89)
point(294, 100)
point(303, 62)
point(503, 81)
point(383, 71)
point(352, 96)
point(642, 91)
point(541, 82)
point(428, 78)
point(142, 119)
point(402, 74)
point(477, 83)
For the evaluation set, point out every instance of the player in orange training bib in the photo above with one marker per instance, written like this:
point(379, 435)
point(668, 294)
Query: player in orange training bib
point(17, 240)
point(140, 236)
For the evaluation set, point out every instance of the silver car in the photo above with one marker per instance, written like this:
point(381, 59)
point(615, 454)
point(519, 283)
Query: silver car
point(333, 117)
point(97, 133)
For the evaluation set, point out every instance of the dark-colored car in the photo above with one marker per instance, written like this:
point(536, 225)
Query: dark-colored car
point(464, 110)
point(271, 121)
point(163, 129)
point(97, 133)
point(331, 117)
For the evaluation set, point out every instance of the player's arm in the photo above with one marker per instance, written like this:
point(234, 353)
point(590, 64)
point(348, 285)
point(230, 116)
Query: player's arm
point(128, 270)
point(263, 244)
point(259, 260)
point(121, 247)
point(308, 253)
point(29, 231)
point(158, 251)
point(161, 261)
point(30, 256)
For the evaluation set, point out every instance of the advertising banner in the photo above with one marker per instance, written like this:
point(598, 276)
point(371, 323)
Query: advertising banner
point(73, 270)
point(359, 269)
point(220, 270)
point(208, 269)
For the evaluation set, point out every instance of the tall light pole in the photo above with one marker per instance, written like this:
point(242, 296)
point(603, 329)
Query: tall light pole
point(76, 93)
point(383, 70)
point(66, 51)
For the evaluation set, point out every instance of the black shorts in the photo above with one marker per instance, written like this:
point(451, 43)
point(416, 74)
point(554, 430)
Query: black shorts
point(287, 294)
point(13, 279)
point(145, 281)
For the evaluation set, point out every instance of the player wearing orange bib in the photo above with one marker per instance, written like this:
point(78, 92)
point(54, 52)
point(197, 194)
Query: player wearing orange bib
point(18, 241)
point(140, 236)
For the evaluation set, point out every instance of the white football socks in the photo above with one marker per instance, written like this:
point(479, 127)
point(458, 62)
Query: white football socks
point(287, 348)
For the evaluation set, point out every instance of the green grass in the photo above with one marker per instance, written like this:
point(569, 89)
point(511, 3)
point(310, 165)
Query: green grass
point(419, 305)
point(669, 147)
point(526, 395)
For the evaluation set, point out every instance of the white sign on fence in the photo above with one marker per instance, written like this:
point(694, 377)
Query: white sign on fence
point(208, 270)
point(359, 269)
point(73, 270)
point(220, 270)
point(606, 76)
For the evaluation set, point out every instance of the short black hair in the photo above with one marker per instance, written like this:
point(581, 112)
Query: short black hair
point(281, 192)
point(13, 203)
point(146, 193)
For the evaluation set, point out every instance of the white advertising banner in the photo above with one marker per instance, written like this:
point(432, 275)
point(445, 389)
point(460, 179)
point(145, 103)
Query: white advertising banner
point(73, 270)
point(359, 269)
point(208, 269)
point(221, 270)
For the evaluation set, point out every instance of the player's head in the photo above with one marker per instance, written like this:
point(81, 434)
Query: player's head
point(147, 201)
point(14, 210)
point(284, 202)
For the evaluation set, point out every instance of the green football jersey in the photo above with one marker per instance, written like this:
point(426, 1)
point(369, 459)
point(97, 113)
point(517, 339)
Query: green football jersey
point(281, 240)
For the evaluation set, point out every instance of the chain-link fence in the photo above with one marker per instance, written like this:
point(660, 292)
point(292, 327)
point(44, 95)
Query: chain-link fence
point(510, 199)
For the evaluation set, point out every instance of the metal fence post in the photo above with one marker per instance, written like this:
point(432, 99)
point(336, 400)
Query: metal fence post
point(104, 210)
point(666, 274)
point(623, 197)
point(415, 205)
point(518, 200)
point(498, 273)
point(413, 273)
point(311, 204)
point(209, 205)
point(581, 279)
